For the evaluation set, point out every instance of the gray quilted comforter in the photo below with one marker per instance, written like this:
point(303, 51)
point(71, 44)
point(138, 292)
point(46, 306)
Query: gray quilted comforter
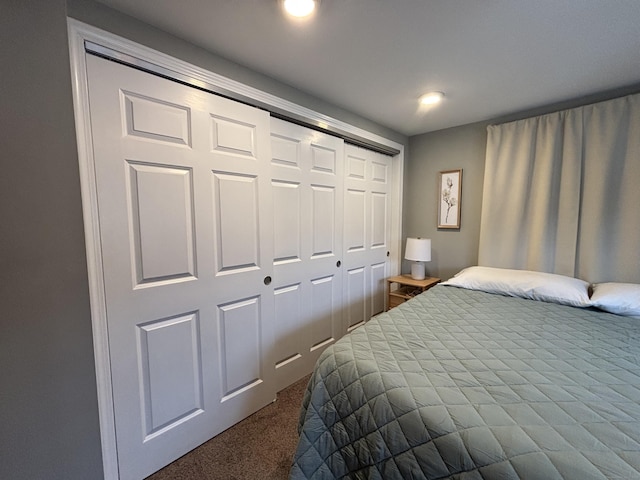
point(464, 384)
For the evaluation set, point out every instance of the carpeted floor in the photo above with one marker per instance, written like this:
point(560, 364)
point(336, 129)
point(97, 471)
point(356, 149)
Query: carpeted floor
point(260, 447)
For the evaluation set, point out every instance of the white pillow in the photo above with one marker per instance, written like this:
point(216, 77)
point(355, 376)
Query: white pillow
point(547, 287)
point(620, 298)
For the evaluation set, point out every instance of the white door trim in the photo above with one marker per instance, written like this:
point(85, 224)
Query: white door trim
point(80, 32)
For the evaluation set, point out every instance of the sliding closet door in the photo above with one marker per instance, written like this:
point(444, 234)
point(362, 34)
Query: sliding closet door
point(185, 213)
point(307, 186)
point(367, 233)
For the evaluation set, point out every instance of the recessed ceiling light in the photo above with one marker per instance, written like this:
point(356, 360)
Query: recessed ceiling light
point(300, 8)
point(431, 98)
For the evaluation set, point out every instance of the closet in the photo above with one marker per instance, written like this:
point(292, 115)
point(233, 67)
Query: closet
point(234, 248)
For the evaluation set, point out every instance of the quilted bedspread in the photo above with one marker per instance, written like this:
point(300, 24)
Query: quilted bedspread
point(464, 384)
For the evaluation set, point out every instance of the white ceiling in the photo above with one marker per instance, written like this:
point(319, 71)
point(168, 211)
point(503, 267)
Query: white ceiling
point(376, 57)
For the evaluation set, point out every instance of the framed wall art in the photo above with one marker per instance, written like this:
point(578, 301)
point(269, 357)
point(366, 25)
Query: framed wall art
point(449, 198)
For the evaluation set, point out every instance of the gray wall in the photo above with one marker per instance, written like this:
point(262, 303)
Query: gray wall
point(460, 147)
point(48, 407)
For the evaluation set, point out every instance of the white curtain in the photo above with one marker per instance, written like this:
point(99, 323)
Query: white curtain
point(562, 193)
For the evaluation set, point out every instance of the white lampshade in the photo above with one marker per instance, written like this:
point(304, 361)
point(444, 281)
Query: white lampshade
point(418, 250)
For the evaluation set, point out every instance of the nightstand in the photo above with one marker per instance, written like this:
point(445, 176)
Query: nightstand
point(407, 288)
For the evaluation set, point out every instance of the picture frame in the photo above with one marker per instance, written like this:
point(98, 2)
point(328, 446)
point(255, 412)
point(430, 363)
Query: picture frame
point(449, 198)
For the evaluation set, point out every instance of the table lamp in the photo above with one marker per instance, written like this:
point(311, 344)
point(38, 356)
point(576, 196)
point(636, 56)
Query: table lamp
point(418, 251)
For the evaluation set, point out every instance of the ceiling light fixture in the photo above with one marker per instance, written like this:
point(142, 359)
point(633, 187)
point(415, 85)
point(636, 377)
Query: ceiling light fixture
point(300, 8)
point(432, 98)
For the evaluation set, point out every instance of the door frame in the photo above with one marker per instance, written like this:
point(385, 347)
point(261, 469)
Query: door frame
point(79, 33)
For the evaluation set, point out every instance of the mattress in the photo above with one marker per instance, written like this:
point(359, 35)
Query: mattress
point(465, 384)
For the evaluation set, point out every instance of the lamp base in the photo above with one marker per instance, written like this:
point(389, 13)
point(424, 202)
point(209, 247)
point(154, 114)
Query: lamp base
point(417, 271)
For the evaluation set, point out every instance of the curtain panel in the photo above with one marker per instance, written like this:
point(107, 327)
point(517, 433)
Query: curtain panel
point(562, 193)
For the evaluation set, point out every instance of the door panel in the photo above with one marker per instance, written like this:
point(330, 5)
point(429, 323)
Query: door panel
point(161, 214)
point(379, 203)
point(288, 311)
point(367, 233)
point(230, 136)
point(325, 223)
point(155, 119)
point(324, 327)
point(356, 297)
point(240, 345)
point(355, 211)
point(377, 287)
point(306, 181)
point(171, 372)
point(287, 230)
point(236, 221)
point(185, 207)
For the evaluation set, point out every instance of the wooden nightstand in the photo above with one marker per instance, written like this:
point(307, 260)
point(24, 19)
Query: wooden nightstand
point(407, 288)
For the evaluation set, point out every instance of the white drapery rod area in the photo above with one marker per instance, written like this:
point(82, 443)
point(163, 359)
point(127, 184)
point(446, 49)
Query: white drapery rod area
point(562, 195)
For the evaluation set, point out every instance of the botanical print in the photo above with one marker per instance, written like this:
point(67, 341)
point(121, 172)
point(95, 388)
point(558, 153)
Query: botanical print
point(448, 198)
point(449, 188)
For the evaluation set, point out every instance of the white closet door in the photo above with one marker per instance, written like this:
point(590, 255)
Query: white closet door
point(367, 223)
point(185, 213)
point(307, 185)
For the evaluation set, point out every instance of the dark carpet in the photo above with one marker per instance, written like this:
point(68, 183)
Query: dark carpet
point(259, 447)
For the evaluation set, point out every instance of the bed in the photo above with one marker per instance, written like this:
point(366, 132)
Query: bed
point(462, 383)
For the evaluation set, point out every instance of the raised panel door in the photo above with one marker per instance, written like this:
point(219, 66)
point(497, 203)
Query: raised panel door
point(307, 184)
point(185, 208)
point(367, 233)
